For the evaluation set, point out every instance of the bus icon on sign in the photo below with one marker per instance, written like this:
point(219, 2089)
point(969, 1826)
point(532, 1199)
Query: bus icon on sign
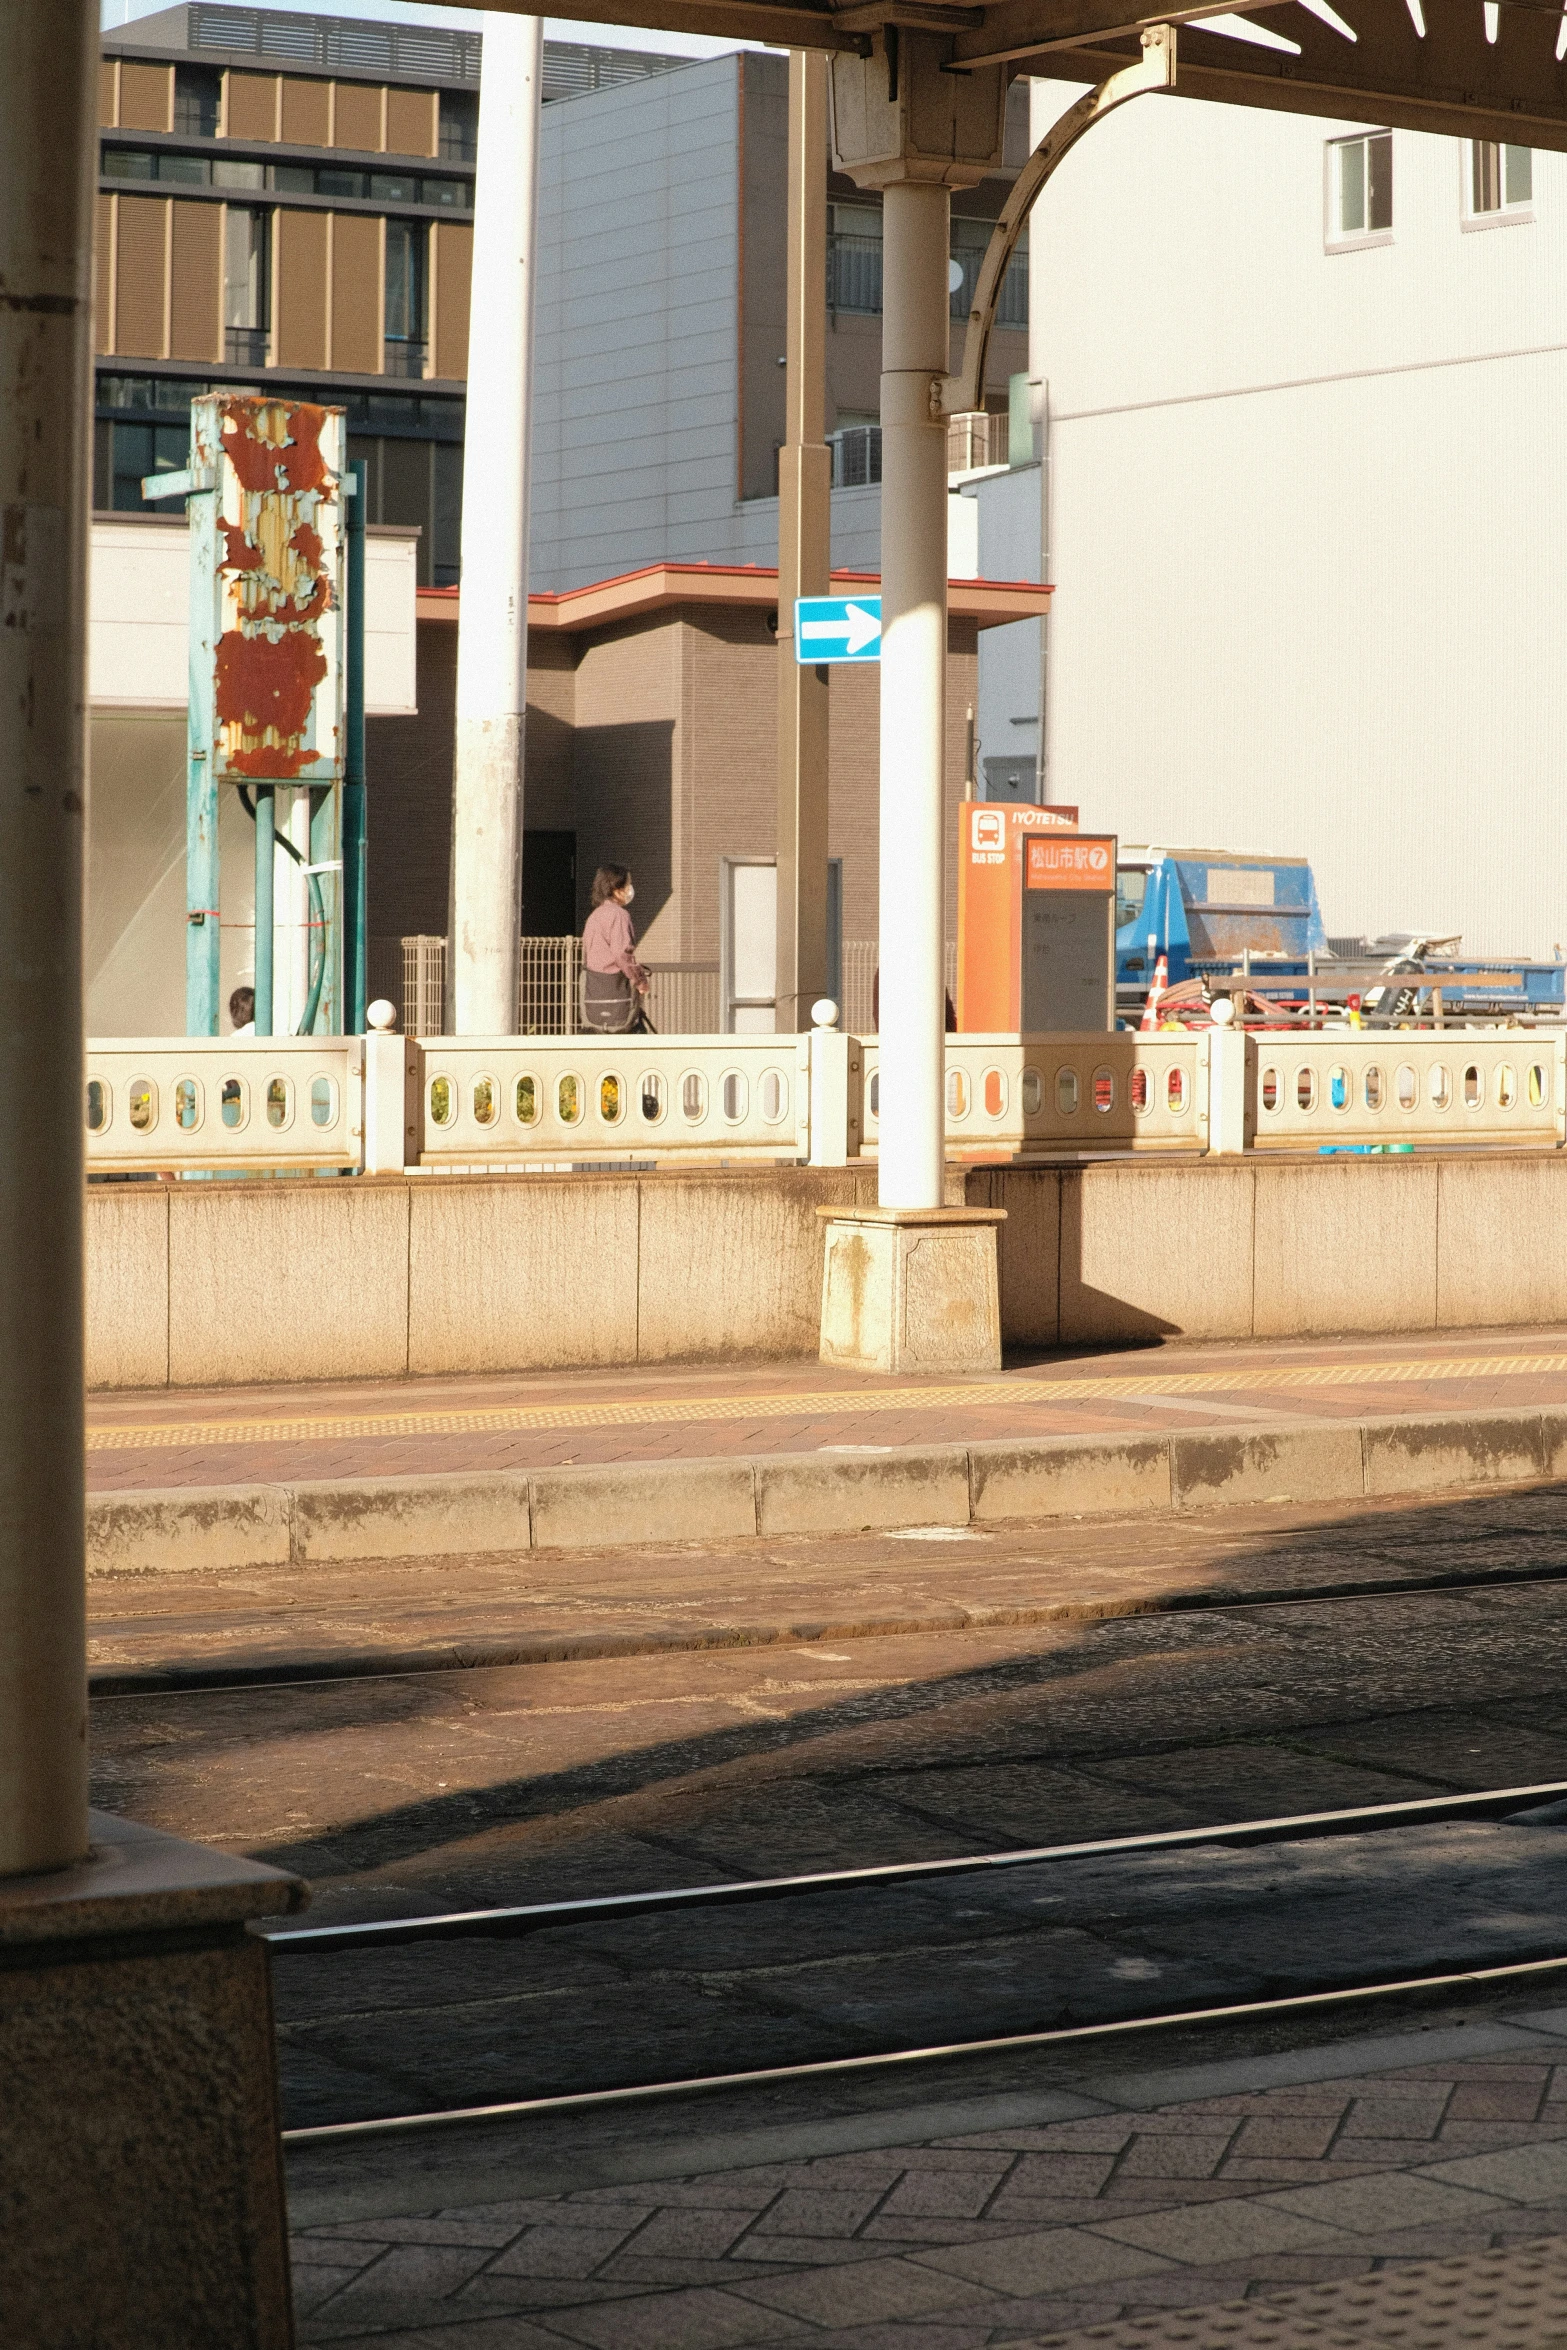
point(989, 829)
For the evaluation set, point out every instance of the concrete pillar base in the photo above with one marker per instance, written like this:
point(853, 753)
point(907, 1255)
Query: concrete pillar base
point(911, 1289)
point(140, 2173)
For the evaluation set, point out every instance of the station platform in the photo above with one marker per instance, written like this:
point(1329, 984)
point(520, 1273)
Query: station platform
point(146, 1439)
point(1402, 2187)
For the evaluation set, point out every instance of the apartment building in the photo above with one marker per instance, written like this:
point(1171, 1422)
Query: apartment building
point(288, 199)
point(1299, 389)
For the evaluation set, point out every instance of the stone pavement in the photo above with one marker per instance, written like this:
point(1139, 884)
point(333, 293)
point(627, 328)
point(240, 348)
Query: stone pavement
point(539, 1419)
point(1415, 2194)
point(532, 1607)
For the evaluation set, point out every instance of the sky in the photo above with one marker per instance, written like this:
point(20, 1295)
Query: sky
point(118, 12)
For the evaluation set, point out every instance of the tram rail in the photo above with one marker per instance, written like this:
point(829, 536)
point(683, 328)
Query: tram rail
point(1542, 1803)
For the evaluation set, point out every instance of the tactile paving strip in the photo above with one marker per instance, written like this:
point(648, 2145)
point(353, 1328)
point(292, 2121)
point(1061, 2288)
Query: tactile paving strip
point(655, 1411)
point(1510, 2300)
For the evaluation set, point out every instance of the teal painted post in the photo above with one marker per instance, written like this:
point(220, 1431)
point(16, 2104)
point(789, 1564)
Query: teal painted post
point(266, 836)
point(354, 805)
point(325, 899)
point(202, 935)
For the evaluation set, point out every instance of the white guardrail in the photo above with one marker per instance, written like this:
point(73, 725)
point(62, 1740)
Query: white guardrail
point(227, 1102)
point(382, 1103)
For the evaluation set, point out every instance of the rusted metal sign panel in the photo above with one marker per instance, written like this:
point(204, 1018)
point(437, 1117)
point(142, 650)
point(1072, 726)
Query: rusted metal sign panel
point(275, 687)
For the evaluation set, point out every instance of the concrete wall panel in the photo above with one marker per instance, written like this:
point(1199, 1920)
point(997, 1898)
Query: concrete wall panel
point(1337, 1255)
point(126, 1249)
point(1145, 1255)
point(1501, 1242)
point(146, 96)
point(358, 117)
point(287, 1281)
point(1028, 1248)
point(411, 122)
point(196, 282)
point(451, 275)
point(252, 108)
point(734, 1268)
point(299, 293)
point(307, 111)
point(140, 268)
point(520, 1276)
point(357, 331)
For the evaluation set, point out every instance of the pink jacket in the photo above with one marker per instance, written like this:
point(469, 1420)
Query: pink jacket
point(608, 937)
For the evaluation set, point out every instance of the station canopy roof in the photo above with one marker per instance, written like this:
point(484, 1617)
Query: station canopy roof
point(1479, 69)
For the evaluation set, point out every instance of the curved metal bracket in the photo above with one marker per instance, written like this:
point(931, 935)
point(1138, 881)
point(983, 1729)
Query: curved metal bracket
point(961, 394)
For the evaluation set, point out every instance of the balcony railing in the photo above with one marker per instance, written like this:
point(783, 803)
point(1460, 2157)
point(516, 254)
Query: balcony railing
point(404, 359)
point(856, 456)
point(854, 274)
point(854, 280)
point(247, 346)
point(976, 440)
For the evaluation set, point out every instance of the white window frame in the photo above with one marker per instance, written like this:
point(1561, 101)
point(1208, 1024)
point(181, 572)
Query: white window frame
point(1334, 239)
point(1506, 215)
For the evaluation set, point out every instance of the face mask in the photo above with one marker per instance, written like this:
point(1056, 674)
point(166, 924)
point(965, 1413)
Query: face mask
point(627, 894)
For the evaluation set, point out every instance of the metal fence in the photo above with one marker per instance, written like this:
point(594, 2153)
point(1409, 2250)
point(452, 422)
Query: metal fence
point(977, 439)
point(856, 456)
point(857, 1011)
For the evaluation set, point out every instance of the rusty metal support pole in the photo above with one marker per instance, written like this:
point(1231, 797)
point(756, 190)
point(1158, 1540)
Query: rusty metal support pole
point(48, 93)
point(804, 557)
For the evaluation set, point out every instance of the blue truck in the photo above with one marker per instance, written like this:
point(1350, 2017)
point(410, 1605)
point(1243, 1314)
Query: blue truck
point(1219, 916)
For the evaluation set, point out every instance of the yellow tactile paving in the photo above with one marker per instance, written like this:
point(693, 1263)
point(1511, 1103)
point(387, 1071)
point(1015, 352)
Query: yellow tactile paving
point(816, 1403)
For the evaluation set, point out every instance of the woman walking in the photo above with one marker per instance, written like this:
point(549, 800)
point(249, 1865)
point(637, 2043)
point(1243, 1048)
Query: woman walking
point(614, 983)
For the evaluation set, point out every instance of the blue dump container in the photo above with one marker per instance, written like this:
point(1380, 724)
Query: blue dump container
point(1198, 906)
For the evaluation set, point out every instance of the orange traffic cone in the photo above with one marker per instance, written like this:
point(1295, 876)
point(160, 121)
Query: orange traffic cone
point(1161, 980)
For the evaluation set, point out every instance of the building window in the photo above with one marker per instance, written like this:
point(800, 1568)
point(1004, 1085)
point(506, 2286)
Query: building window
point(405, 297)
point(854, 259)
point(198, 101)
point(459, 126)
point(970, 239)
point(247, 296)
point(1501, 180)
point(1360, 189)
point(136, 450)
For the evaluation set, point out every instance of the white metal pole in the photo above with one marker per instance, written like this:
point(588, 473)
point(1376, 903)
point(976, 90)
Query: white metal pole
point(915, 353)
point(48, 110)
point(492, 641)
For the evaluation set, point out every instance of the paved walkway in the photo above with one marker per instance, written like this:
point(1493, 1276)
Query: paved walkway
point(524, 1420)
point(1398, 2201)
point(533, 1607)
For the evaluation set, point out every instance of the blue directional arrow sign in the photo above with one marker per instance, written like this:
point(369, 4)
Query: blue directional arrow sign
point(837, 628)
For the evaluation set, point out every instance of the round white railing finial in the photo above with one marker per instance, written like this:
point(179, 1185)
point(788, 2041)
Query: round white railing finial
point(824, 1012)
point(382, 1014)
point(1223, 1010)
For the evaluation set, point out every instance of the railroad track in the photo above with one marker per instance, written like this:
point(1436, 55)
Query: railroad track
point(1509, 1808)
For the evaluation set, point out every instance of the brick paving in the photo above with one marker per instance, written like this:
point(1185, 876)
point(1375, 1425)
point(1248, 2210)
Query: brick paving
point(378, 1428)
point(1098, 2229)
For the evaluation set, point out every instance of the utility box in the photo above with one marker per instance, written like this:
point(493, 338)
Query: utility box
point(1067, 933)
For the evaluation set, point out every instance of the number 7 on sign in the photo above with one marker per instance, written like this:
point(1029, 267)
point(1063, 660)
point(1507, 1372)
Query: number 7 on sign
point(837, 628)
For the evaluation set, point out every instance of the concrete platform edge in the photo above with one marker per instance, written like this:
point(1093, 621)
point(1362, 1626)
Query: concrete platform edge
point(206, 1529)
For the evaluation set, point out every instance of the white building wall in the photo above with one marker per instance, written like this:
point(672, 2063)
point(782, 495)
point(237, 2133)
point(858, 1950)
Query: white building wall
point(1308, 516)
